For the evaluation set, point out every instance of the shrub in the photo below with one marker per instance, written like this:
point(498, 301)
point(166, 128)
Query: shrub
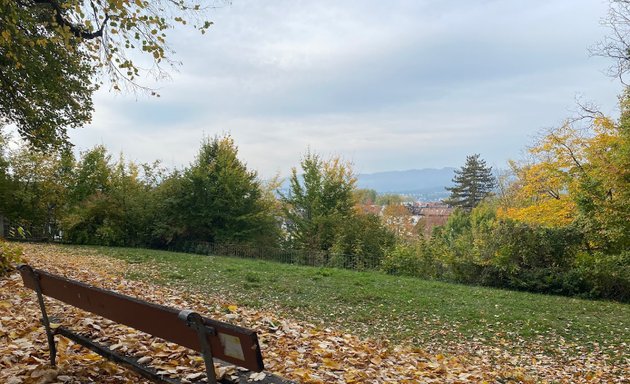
point(605, 276)
point(410, 260)
point(9, 254)
point(532, 258)
point(360, 243)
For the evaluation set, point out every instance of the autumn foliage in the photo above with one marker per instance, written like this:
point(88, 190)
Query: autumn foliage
point(55, 54)
point(560, 223)
point(10, 254)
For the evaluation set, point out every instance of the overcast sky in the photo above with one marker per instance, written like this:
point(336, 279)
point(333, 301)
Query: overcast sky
point(389, 85)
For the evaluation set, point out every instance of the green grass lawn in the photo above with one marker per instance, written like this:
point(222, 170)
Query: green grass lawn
point(409, 310)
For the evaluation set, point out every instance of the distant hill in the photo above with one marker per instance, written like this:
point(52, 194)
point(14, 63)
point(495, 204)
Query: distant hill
point(412, 180)
point(424, 184)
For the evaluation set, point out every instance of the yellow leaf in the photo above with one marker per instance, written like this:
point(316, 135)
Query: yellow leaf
point(332, 364)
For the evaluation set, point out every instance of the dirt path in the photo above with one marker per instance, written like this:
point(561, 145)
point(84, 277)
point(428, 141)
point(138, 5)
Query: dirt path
point(295, 350)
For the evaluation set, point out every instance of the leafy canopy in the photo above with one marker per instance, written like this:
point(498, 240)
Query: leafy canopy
point(579, 175)
point(319, 201)
point(53, 53)
point(218, 199)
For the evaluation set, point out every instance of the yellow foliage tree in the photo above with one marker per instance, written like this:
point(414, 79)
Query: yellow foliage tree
point(578, 174)
point(539, 195)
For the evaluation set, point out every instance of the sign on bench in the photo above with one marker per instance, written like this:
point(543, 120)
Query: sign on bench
point(227, 342)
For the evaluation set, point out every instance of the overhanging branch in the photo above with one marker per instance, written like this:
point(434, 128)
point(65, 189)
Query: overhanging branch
point(76, 30)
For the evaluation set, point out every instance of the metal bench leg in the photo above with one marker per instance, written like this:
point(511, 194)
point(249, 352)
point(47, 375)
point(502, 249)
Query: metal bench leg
point(195, 321)
point(52, 348)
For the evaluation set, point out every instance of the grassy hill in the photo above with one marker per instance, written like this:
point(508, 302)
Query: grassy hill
point(432, 315)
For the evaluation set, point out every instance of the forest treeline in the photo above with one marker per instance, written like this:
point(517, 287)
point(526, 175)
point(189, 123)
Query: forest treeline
point(559, 222)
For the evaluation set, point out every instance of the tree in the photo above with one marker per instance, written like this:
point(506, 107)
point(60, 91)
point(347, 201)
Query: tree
point(318, 202)
point(92, 214)
point(365, 196)
point(34, 189)
point(4, 174)
point(92, 174)
point(52, 53)
point(579, 175)
point(45, 83)
point(472, 183)
point(616, 45)
point(218, 199)
point(539, 194)
point(323, 218)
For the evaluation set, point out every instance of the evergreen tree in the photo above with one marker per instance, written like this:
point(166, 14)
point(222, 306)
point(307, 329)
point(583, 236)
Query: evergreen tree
point(218, 199)
point(472, 183)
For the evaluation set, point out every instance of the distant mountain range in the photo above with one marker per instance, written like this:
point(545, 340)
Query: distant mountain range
point(423, 184)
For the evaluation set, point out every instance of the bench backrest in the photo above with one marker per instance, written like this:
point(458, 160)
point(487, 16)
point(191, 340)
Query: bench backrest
point(234, 344)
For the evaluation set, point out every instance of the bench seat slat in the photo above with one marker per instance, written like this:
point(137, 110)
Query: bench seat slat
point(154, 319)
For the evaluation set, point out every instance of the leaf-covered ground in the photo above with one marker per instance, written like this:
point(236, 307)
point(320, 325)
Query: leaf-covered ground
point(292, 348)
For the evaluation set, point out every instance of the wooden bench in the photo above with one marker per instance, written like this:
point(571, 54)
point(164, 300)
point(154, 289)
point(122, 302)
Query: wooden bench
point(213, 339)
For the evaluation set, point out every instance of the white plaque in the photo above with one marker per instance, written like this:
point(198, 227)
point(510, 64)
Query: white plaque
point(231, 346)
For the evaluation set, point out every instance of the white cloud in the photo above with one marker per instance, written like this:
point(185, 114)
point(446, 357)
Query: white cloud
point(390, 85)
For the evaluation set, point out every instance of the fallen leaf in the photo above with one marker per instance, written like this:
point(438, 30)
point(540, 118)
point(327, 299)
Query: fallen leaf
point(257, 376)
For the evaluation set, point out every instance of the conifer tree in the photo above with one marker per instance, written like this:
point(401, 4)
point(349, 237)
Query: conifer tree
point(220, 200)
point(472, 183)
